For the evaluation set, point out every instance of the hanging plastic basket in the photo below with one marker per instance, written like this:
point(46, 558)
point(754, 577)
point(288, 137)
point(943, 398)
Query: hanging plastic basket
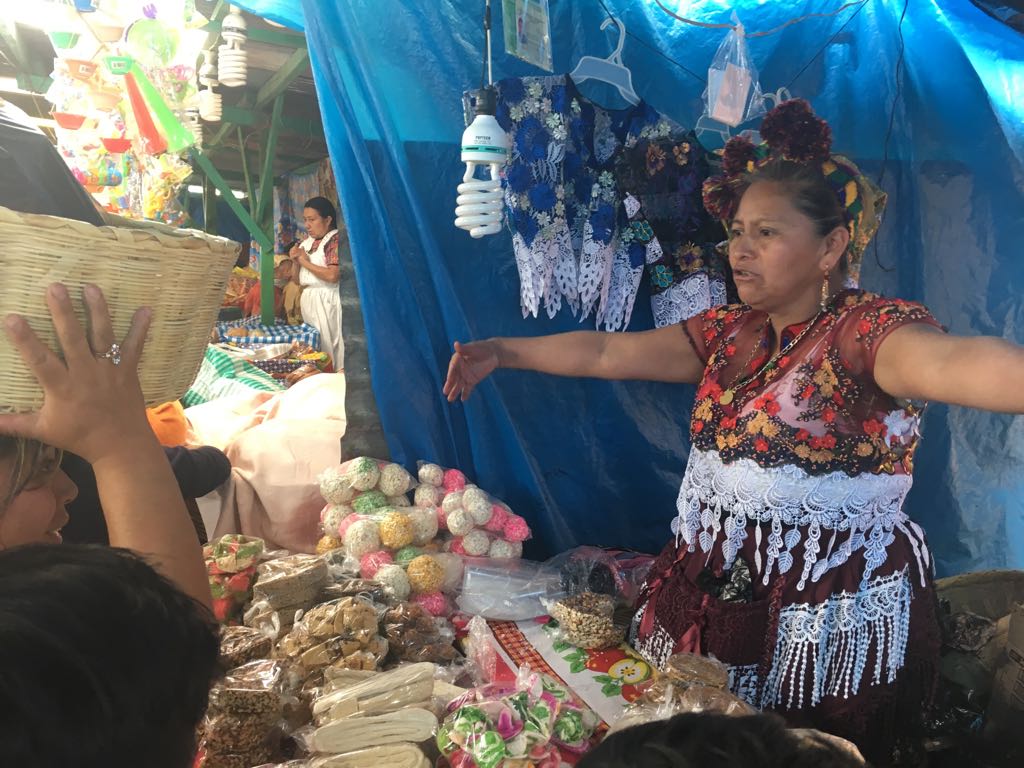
point(68, 120)
point(180, 274)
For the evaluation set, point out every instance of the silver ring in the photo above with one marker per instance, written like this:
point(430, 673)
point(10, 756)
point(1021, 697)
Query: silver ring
point(113, 354)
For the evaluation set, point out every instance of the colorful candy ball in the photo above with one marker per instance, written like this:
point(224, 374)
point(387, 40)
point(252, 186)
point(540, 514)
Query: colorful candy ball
point(505, 550)
point(442, 519)
point(362, 473)
point(406, 555)
point(428, 496)
point(335, 487)
point(401, 500)
point(396, 530)
point(431, 474)
point(516, 529)
point(372, 562)
point(361, 538)
point(499, 516)
point(476, 543)
point(327, 544)
point(455, 546)
point(452, 502)
point(331, 517)
point(478, 504)
point(394, 581)
point(459, 522)
point(394, 480)
point(347, 523)
point(454, 480)
point(424, 524)
point(369, 501)
point(453, 570)
point(425, 575)
point(434, 603)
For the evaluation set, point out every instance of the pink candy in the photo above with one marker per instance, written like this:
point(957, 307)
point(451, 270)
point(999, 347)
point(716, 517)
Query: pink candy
point(499, 516)
point(433, 603)
point(373, 562)
point(516, 529)
point(346, 523)
point(454, 480)
point(442, 519)
point(455, 547)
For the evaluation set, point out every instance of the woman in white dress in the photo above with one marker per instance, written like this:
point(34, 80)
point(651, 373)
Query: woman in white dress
point(317, 257)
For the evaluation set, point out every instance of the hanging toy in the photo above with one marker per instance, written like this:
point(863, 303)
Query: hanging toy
point(146, 103)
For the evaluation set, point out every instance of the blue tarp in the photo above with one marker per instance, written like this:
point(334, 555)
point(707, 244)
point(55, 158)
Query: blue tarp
point(599, 462)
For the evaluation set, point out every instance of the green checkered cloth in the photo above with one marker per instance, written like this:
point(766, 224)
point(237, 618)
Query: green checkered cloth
point(223, 374)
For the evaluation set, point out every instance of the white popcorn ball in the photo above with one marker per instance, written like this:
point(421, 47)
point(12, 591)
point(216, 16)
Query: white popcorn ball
point(453, 569)
point(452, 502)
point(476, 543)
point(428, 496)
point(394, 480)
point(424, 525)
point(335, 487)
point(363, 473)
point(431, 474)
point(478, 504)
point(395, 582)
point(362, 538)
point(332, 517)
point(399, 501)
point(506, 550)
point(460, 523)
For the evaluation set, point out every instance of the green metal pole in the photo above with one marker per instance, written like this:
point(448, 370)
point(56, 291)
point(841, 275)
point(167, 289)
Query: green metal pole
point(265, 243)
point(265, 210)
point(245, 168)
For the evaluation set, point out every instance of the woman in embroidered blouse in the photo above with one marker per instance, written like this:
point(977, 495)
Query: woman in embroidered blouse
point(793, 561)
point(317, 257)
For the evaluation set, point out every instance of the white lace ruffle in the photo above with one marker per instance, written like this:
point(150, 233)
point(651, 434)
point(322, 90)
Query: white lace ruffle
point(718, 501)
point(824, 648)
point(695, 294)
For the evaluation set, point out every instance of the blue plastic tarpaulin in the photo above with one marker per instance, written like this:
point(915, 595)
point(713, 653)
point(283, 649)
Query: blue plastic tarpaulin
point(600, 462)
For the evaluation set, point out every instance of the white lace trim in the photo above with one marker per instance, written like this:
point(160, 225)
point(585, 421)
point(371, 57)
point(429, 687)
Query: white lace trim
point(695, 294)
point(824, 648)
point(718, 498)
point(744, 682)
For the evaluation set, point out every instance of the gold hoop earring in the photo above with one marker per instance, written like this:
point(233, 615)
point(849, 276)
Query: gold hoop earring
point(825, 291)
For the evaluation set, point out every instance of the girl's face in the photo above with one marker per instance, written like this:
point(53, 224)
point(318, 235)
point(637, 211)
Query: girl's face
point(37, 513)
point(316, 225)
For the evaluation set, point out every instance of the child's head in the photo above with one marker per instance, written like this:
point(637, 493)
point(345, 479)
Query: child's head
point(698, 740)
point(33, 493)
point(283, 271)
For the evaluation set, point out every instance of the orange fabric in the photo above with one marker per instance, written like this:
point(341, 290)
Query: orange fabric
point(252, 302)
point(169, 424)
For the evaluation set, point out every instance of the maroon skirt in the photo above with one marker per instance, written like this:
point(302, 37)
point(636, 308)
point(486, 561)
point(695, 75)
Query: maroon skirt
point(850, 656)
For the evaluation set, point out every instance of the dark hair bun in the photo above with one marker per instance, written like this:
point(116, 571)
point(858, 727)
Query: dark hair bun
point(794, 131)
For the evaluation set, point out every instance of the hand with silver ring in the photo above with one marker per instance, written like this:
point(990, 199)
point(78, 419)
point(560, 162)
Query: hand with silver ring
point(113, 354)
point(93, 402)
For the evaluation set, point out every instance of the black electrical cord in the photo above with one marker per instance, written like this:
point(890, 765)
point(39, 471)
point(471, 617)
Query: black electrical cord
point(826, 45)
point(487, 46)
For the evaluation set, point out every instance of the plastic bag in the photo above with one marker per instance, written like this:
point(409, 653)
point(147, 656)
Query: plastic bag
point(231, 567)
point(291, 581)
point(496, 725)
point(733, 95)
point(351, 734)
point(403, 687)
point(240, 645)
point(415, 636)
point(252, 689)
point(400, 755)
point(227, 733)
point(342, 634)
point(588, 620)
point(507, 591)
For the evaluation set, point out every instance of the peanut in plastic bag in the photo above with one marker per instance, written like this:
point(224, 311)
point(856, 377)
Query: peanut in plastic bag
point(733, 95)
point(253, 688)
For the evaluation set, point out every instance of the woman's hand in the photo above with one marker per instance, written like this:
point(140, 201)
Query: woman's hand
point(91, 405)
point(471, 364)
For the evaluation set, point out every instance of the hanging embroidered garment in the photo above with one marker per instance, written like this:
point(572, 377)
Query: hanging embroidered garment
point(801, 474)
point(571, 219)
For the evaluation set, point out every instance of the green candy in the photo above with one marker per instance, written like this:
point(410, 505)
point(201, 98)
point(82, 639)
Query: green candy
point(369, 501)
point(406, 555)
point(469, 720)
point(444, 741)
point(488, 749)
point(569, 727)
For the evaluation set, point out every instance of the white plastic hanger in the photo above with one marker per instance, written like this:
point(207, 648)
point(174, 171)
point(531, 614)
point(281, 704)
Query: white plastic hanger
point(610, 70)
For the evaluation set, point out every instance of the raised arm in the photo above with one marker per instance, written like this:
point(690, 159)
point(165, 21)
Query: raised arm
point(920, 362)
point(664, 354)
point(93, 407)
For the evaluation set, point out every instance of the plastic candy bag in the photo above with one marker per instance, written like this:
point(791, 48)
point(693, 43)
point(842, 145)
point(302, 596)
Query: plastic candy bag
point(733, 95)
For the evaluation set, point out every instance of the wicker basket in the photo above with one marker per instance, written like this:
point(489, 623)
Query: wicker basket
point(180, 274)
